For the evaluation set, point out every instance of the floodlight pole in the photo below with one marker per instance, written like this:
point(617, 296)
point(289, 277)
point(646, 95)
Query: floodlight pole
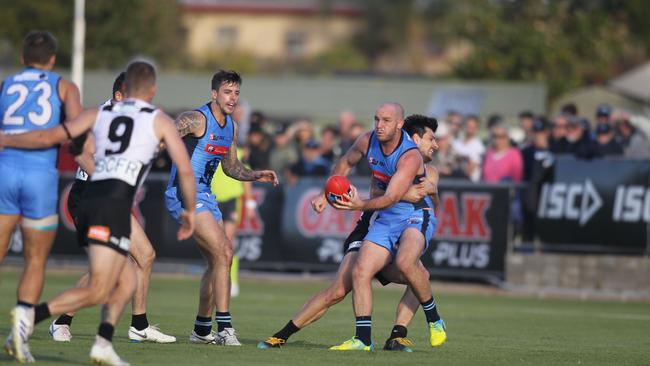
point(78, 41)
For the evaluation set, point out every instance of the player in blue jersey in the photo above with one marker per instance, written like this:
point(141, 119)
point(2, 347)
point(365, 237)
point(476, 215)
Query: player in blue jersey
point(397, 227)
point(210, 136)
point(33, 99)
point(421, 129)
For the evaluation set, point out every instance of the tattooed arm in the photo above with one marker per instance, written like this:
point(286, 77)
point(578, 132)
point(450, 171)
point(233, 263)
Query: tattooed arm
point(236, 170)
point(190, 123)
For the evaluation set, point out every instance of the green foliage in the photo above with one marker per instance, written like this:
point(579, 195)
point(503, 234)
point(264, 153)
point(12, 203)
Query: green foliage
point(116, 30)
point(341, 58)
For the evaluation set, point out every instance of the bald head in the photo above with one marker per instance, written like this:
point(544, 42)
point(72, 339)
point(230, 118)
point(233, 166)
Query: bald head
point(389, 120)
point(396, 107)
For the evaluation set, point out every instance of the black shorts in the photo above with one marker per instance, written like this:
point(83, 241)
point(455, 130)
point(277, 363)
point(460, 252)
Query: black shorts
point(105, 221)
point(355, 239)
point(229, 210)
point(74, 200)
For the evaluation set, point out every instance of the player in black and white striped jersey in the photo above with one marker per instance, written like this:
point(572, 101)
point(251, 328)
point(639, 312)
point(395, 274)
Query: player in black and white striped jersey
point(141, 251)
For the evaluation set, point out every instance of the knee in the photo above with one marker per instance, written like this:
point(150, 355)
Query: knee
point(222, 255)
point(98, 294)
point(147, 259)
point(403, 265)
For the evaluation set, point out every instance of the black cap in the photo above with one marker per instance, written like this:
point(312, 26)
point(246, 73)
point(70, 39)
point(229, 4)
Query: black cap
point(603, 128)
point(540, 125)
point(603, 110)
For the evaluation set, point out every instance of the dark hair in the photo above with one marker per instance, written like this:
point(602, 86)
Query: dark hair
point(331, 128)
point(417, 123)
point(526, 114)
point(570, 109)
point(223, 76)
point(139, 75)
point(118, 84)
point(38, 47)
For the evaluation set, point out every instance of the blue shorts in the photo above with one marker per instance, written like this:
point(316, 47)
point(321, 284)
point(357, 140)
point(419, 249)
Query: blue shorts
point(386, 228)
point(205, 201)
point(29, 192)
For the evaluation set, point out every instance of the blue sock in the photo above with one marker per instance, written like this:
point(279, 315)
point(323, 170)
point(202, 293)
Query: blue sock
point(223, 320)
point(202, 325)
point(364, 327)
point(430, 311)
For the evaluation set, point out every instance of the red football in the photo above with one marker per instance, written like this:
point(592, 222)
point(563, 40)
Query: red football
point(335, 187)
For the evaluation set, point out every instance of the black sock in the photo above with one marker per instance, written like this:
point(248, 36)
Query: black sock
point(64, 319)
point(223, 320)
point(41, 312)
point(202, 325)
point(399, 331)
point(106, 331)
point(287, 331)
point(25, 304)
point(364, 325)
point(430, 311)
point(139, 321)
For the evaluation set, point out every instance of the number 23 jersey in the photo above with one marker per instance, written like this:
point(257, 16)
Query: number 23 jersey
point(125, 141)
point(29, 100)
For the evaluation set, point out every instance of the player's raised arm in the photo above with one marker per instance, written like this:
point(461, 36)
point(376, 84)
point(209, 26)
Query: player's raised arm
point(168, 134)
point(407, 168)
point(190, 123)
point(41, 139)
point(235, 169)
point(351, 157)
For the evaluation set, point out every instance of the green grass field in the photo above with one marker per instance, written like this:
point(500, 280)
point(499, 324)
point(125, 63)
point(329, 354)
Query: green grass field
point(485, 330)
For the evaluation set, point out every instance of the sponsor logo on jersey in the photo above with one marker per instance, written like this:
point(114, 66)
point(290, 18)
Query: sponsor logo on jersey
point(381, 176)
point(212, 137)
point(374, 161)
point(216, 149)
point(100, 233)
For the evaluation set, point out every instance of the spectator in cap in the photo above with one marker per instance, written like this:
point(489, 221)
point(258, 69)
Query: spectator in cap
point(606, 143)
point(581, 145)
point(569, 109)
point(526, 121)
point(445, 160)
point(537, 159)
point(635, 143)
point(538, 150)
point(602, 113)
point(502, 161)
point(558, 143)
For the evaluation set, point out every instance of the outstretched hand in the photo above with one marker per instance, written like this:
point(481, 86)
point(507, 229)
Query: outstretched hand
point(266, 176)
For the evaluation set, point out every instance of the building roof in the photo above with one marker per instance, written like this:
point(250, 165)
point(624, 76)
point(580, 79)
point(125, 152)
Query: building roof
point(290, 7)
point(634, 83)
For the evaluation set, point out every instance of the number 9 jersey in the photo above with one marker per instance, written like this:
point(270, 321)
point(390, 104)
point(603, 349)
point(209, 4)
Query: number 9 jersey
point(30, 101)
point(125, 141)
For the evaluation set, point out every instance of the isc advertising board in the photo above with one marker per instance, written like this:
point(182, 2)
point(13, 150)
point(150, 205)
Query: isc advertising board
point(596, 205)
